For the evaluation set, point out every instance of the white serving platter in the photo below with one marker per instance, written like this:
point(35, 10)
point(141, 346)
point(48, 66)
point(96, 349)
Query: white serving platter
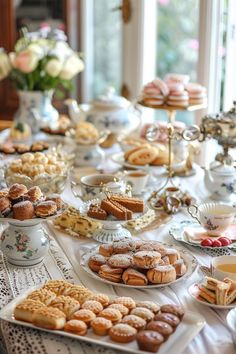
point(189, 327)
point(189, 260)
point(194, 292)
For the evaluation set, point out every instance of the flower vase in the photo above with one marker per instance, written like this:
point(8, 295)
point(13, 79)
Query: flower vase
point(36, 109)
point(26, 245)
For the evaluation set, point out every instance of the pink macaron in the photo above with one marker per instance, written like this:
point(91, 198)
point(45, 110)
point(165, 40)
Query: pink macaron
point(176, 88)
point(162, 86)
point(177, 78)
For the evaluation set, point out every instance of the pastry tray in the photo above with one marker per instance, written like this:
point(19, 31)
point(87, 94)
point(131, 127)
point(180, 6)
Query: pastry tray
point(189, 327)
point(189, 260)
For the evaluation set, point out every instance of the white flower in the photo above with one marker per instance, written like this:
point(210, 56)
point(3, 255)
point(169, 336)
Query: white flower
point(37, 49)
point(72, 66)
point(53, 67)
point(5, 66)
point(12, 57)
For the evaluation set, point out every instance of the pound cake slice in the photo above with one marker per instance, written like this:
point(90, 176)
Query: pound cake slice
point(134, 204)
point(116, 209)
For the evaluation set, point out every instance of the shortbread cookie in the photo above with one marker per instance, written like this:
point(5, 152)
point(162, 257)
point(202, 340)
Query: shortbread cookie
point(143, 156)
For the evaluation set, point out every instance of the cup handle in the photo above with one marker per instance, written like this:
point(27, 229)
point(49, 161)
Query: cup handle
point(73, 185)
point(193, 212)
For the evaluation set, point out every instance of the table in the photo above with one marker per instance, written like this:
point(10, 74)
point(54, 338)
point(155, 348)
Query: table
point(62, 261)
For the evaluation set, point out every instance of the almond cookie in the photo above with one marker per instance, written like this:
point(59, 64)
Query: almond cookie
point(122, 333)
point(143, 312)
point(126, 301)
point(76, 326)
point(93, 306)
point(134, 321)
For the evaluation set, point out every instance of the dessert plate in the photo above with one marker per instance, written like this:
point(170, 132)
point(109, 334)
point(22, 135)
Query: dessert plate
point(194, 292)
point(189, 260)
point(177, 231)
point(189, 327)
point(112, 229)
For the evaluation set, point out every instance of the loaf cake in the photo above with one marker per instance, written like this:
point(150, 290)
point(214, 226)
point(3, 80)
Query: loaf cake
point(116, 209)
point(134, 204)
point(96, 212)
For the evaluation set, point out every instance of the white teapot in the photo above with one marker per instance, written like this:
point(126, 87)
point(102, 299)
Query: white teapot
point(108, 112)
point(220, 180)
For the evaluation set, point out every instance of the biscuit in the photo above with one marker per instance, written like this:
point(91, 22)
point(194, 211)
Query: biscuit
point(143, 156)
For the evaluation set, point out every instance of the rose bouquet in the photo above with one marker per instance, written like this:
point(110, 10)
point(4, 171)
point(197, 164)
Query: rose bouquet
point(42, 61)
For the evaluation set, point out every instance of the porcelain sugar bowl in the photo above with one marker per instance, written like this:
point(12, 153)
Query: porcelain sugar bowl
point(24, 243)
point(220, 180)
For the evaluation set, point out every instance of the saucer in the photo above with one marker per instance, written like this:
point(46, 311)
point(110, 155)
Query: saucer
point(194, 292)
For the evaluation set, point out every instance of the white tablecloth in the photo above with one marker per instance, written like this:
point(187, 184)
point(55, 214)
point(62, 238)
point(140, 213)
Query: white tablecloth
point(215, 338)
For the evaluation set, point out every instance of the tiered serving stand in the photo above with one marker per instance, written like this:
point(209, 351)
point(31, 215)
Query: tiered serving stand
point(171, 113)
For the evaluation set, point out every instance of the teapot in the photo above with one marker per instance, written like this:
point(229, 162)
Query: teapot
point(108, 112)
point(220, 180)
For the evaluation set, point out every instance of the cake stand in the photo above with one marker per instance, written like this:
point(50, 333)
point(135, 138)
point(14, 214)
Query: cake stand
point(150, 136)
point(112, 229)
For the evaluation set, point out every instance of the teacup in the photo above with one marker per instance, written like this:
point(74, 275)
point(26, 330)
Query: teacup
point(215, 218)
point(137, 180)
point(224, 267)
point(93, 186)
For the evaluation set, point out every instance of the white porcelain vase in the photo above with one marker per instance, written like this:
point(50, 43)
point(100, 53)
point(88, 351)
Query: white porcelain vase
point(36, 109)
point(26, 245)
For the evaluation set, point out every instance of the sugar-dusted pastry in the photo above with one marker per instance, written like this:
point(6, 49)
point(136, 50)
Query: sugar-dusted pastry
point(106, 249)
point(111, 314)
point(161, 327)
point(134, 321)
point(150, 305)
point(122, 333)
point(120, 260)
point(172, 254)
point(161, 274)
point(133, 277)
point(149, 341)
point(180, 267)
point(43, 295)
point(84, 315)
point(123, 246)
point(16, 192)
point(23, 210)
point(24, 311)
point(34, 194)
point(126, 301)
point(102, 298)
point(93, 306)
point(143, 312)
point(46, 208)
point(49, 317)
point(66, 304)
point(76, 327)
point(176, 310)
point(146, 259)
point(169, 318)
point(101, 326)
point(56, 199)
point(86, 133)
point(153, 246)
point(96, 261)
point(123, 309)
point(110, 273)
point(4, 192)
point(5, 206)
